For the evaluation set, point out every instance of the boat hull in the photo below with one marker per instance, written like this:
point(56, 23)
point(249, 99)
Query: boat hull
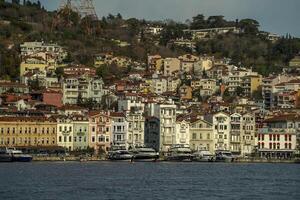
point(22, 158)
point(6, 158)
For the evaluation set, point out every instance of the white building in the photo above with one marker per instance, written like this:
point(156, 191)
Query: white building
point(83, 88)
point(182, 134)
point(65, 133)
point(221, 129)
point(119, 130)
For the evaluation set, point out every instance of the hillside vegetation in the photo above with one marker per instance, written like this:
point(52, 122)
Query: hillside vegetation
point(84, 38)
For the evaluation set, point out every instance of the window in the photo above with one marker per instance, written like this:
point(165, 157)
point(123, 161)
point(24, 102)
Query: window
point(93, 138)
point(208, 136)
point(59, 138)
point(70, 138)
point(194, 136)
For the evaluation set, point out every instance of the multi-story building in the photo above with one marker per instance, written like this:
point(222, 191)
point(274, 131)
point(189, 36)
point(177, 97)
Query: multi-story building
point(100, 136)
point(221, 130)
point(201, 135)
point(152, 132)
point(29, 48)
point(166, 113)
point(27, 132)
point(119, 129)
point(170, 66)
point(136, 129)
point(187, 62)
point(11, 87)
point(207, 87)
point(82, 88)
point(251, 83)
point(65, 132)
point(80, 132)
point(286, 126)
point(242, 133)
point(182, 132)
point(158, 84)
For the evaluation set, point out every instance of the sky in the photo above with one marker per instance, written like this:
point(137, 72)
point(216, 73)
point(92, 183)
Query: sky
point(276, 16)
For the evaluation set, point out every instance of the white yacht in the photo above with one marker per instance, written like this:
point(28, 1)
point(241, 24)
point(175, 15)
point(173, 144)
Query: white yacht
point(119, 153)
point(179, 153)
point(144, 154)
point(224, 156)
point(203, 156)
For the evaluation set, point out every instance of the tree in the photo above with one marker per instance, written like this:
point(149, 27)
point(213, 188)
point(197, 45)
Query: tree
point(249, 26)
point(198, 22)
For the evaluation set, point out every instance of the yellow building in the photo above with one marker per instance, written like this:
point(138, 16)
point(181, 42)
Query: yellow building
point(27, 132)
point(251, 83)
point(38, 62)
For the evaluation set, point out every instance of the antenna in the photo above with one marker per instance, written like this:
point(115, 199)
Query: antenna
point(83, 7)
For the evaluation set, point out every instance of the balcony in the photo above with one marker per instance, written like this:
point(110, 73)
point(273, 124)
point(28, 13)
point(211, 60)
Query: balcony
point(235, 132)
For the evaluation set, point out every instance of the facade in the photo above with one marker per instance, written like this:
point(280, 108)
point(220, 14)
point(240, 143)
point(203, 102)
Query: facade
point(80, 132)
point(13, 87)
point(100, 137)
point(119, 129)
point(27, 132)
point(167, 115)
point(251, 83)
point(136, 129)
point(187, 62)
point(82, 89)
point(170, 66)
point(152, 133)
point(242, 134)
point(201, 135)
point(221, 130)
point(65, 133)
point(182, 132)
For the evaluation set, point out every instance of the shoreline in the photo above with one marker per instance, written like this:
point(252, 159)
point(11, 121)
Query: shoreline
point(96, 159)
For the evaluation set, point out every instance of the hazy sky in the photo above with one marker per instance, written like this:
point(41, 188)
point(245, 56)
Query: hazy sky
point(278, 16)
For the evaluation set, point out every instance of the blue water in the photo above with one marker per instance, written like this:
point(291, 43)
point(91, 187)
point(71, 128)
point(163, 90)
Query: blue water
point(105, 180)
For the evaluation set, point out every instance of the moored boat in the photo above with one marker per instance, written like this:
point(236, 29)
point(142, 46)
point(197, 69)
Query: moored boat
point(18, 156)
point(179, 153)
point(224, 156)
point(144, 154)
point(203, 156)
point(5, 155)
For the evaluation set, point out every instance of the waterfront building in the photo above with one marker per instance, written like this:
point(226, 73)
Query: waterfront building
point(166, 113)
point(27, 132)
point(136, 129)
point(119, 129)
point(152, 132)
point(81, 132)
point(65, 132)
point(221, 130)
point(280, 135)
point(100, 125)
point(182, 132)
point(201, 135)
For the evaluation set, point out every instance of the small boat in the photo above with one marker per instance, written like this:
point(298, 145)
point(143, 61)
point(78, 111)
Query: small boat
point(203, 156)
point(224, 156)
point(179, 153)
point(5, 155)
point(18, 156)
point(144, 154)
